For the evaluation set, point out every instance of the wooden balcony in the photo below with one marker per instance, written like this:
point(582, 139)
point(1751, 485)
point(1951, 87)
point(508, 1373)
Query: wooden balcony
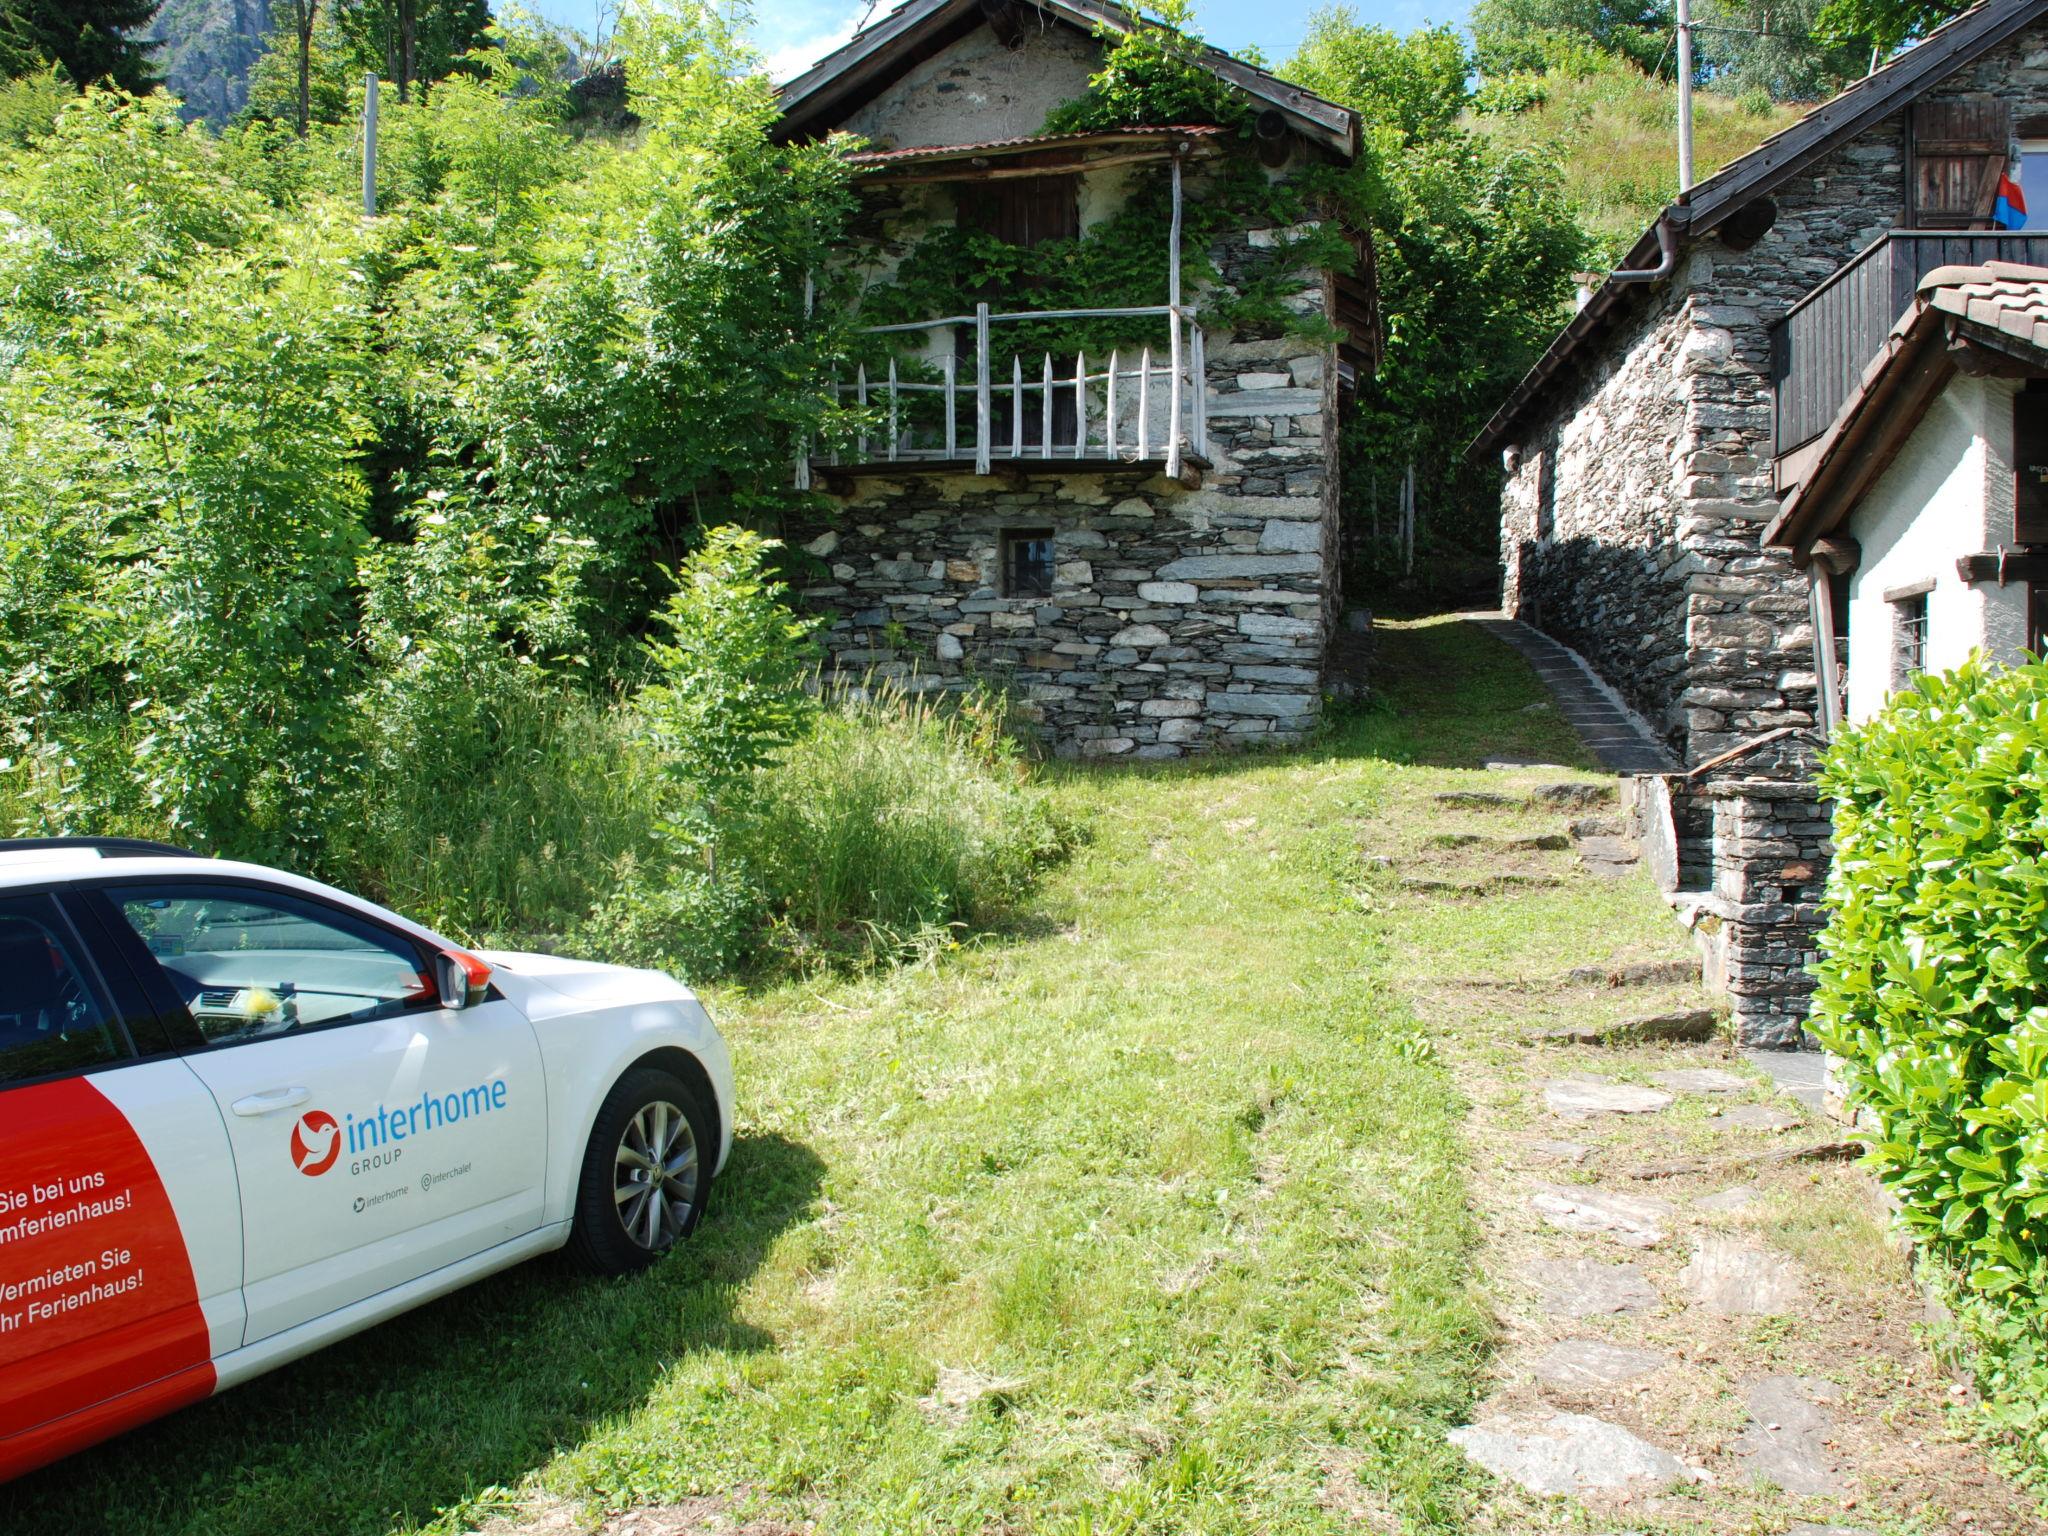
point(1821, 347)
point(972, 409)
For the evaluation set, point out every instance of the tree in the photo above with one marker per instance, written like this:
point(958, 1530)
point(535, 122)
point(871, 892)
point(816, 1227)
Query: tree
point(1414, 84)
point(1883, 24)
point(1777, 47)
point(94, 40)
point(1511, 35)
point(1477, 247)
point(300, 16)
point(412, 41)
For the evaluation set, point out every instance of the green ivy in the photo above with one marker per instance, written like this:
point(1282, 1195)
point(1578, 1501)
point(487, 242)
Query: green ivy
point(1122, 263)
point(1152, 76)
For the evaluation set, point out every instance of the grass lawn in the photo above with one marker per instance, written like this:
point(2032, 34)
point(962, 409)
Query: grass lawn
point(1150, 1216)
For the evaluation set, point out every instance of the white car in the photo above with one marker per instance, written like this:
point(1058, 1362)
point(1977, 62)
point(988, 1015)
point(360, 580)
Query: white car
point(243, 1114)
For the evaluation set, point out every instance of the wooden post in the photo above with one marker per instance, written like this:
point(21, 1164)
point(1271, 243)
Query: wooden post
point(895, 432)
point(803, 446)
point(1173, 382)
point(952, 420)
point(1080, 405)
point(1045, 410)
point(860, 398)
point(1109, 412)
point(1198, 374)
point(981, 410)
point(1144, 403)
point(1016, 406)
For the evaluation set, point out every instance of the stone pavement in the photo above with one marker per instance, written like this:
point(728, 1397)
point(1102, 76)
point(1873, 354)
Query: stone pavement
point(1615, 738)
point(1703, 1329)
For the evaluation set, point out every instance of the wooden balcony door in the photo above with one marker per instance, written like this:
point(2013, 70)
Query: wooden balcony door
point(1026, 211)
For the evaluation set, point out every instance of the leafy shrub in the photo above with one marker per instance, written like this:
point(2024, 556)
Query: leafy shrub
point(893, 817)
point(1151, 76)
point(692, 923)
point(1934, 980)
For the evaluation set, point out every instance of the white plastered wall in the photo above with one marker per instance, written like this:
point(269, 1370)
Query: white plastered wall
point(1946, 495)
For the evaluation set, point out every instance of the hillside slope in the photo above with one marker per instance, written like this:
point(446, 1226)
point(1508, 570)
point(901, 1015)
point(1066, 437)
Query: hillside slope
point(1615, 132)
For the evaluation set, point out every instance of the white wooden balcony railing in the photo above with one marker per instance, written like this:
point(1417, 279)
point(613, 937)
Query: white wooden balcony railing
point(1126, 408)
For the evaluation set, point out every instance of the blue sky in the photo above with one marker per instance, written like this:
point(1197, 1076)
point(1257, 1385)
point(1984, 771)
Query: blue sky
point(793, 33)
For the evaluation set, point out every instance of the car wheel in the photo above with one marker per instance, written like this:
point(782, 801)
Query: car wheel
point(645, 1174)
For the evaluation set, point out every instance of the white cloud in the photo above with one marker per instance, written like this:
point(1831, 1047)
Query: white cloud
point(794, 34)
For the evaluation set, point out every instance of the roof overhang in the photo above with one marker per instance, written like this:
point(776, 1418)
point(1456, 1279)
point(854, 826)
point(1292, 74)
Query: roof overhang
point(815, 101)
point(1757, 174)
point(1045, 154)
point(1946, 332)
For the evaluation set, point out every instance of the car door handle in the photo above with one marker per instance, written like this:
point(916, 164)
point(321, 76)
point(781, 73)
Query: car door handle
point(270, 1100)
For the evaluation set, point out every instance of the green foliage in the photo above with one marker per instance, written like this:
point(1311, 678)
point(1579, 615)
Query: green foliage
point(691, 923)
point(95, 41)
point(895, 818)
point(1884, 24)
point(1151, 76)
point(1477, 246)
point(1931, 986)
point(30, 99)
point(1545, 35)
point(1413, 85)
point(1777, 47)
point(1936, 960)
point(730, 667)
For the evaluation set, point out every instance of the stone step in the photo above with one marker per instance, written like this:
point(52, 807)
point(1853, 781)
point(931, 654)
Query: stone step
point(1553, 797)
point(1636, 973)
point(1685, 1026)
point(1528, 842)
point(1489, 885)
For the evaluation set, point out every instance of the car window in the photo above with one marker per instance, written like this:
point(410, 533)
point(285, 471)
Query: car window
point(51, 1016)
point(253, 964)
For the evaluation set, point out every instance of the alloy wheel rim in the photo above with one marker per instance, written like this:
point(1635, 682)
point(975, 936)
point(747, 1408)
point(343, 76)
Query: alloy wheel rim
point(654, 1183)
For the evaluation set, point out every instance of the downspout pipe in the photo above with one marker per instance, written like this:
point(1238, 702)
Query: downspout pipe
point(1667, 258)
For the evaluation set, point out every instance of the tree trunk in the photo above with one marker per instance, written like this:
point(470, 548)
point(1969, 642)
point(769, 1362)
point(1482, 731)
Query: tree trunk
point(408, 37)
point(307, 9)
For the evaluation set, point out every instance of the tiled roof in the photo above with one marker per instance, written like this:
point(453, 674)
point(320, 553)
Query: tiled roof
point(1027, 141)
point(2000, 295)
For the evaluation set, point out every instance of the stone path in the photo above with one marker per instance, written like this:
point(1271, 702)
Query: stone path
point(1614, 738)
point(1700, 1333)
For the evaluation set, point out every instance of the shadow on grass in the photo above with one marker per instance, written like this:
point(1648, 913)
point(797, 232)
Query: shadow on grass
point(472, 1391)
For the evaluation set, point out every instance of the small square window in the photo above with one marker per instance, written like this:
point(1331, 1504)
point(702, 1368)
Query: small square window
point(1027, 562)
point(1909, 638)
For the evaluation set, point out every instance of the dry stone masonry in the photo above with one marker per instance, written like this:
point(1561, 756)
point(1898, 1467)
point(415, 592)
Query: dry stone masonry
point(1180, 619)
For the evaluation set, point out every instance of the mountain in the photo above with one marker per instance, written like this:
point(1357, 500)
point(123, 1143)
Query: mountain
point(208, 49)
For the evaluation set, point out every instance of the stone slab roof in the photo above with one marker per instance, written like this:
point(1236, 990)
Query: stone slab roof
point(1999, 309)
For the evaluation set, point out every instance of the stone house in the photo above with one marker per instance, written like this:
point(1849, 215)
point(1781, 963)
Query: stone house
point(1139, 540)
point(1926, 505)
point(1653, 442)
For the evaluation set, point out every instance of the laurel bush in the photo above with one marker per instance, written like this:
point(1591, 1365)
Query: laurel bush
point(1933, 989)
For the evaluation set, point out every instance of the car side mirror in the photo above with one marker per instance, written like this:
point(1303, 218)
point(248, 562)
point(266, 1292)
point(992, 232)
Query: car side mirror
point(462, 980)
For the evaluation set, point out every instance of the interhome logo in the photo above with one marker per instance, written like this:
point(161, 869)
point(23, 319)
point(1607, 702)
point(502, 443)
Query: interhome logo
point(316, 1143)
point(317, 1140)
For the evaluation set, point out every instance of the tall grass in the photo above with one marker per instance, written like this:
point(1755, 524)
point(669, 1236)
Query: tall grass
point(1614, 131)
point(896, 816)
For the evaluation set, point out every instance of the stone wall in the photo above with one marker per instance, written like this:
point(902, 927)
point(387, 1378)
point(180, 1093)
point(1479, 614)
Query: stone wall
point(1771, 860)
point(1180, 619)
point(1659, 452)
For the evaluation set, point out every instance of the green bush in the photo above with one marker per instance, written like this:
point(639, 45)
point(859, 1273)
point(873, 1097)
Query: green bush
point(894, 819)
point(689, 922)
point(1934, 983)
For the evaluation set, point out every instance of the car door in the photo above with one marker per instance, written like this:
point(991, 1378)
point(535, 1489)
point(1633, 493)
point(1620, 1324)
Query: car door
point(378, 1135)
point(120, 1232)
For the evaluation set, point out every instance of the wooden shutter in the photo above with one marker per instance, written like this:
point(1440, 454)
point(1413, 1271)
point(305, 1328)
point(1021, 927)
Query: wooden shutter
point(1958, 149)
point(2030, 466)
point(1028, 211)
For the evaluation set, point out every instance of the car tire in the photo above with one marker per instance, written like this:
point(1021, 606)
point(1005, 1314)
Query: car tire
point(623, 1223)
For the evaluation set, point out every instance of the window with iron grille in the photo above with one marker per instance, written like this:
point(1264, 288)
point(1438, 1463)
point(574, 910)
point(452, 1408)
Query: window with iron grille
point(1909, 638)
point(1027, 562)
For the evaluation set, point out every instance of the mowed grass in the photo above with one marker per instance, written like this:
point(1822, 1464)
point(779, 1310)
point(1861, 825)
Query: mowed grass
point(1148, 1217)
